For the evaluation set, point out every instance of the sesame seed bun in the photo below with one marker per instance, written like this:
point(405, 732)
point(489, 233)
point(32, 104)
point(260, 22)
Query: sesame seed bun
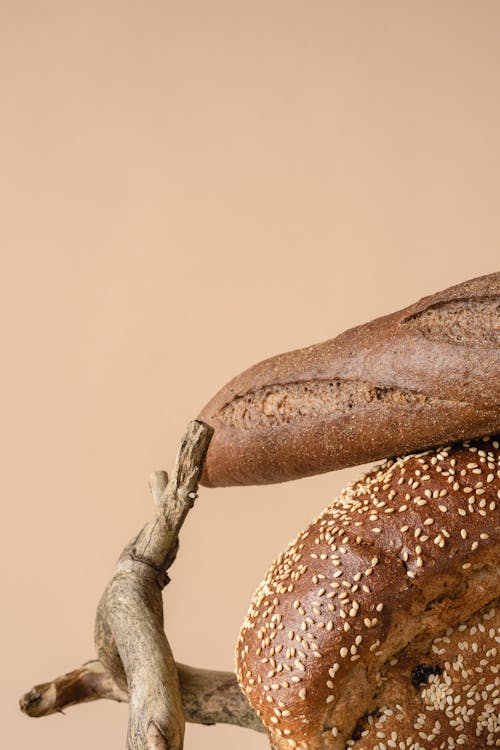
point(353, 637)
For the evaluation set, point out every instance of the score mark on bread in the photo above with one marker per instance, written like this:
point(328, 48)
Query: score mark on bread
point(464, 322)
point(282, 404)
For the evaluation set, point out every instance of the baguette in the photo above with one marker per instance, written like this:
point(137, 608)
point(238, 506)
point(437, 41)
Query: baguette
point(420, 377)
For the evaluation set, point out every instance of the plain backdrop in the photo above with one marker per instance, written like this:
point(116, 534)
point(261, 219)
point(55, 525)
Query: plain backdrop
point(187, 188)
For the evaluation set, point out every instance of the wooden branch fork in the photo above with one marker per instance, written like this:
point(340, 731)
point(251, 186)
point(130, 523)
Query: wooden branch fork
point(135, 660)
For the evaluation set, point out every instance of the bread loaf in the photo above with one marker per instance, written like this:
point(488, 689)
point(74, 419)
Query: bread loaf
point(379, 626)
point(419, 377)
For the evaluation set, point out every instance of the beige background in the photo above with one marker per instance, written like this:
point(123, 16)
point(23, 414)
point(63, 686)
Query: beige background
point(185, 189)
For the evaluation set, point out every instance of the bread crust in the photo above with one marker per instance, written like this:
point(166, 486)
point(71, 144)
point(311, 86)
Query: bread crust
point(417, 378)
point(403, 554)
point(441, 695)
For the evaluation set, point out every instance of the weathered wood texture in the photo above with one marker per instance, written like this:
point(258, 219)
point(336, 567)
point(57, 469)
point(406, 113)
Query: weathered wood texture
point(135, 659)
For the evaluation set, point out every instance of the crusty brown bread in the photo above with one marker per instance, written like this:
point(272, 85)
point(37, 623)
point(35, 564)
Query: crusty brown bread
point(420, 377)
point(378, 626)
point(442, 696)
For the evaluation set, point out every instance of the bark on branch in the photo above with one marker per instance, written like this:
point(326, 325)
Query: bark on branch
point(135, 659)
point(208, 696)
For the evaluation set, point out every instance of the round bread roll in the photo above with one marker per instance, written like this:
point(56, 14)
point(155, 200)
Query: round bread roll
point(379, 625)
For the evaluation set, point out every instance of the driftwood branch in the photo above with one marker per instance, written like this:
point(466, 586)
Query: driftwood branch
point(135, 660)
point(208, 696)
point(129, 635)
